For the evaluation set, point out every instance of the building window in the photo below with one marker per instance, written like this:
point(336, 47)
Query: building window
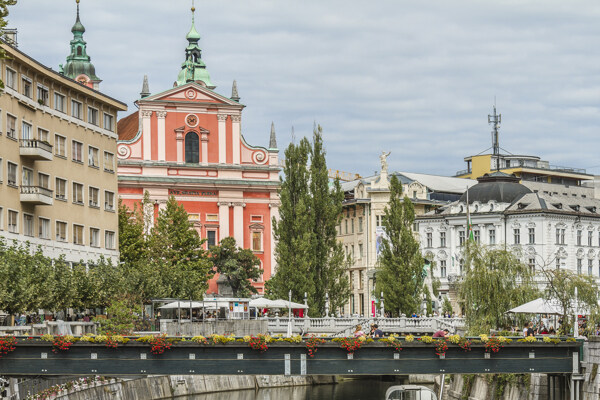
point(109, 122)
point(378, 220)
point(360, 224)
point(109, 240)
point(346, 226)
point(93, 160)
point(532, 265)
point(76, 109)
point(42, 95)
point(192, 148)
point(26, 82)
point(442, 239)
point(28, 225)
point(43, 180)
point(1, 178)
point(61, 189)
point(579, 265)
point(557, 263)
point(43, 135)
point(94, 197)
point(477, 236)
point(352, 251)
point(12, 173)
point(26, 131)
point(461, 238)
point(560, 236)
point(61, 231)
point(11, 127)
point(531, 235)
point(109, 201)
point(360, 250)
point(77, 151)
point(443, 268)
point(78, 234)
point(77, 193)
point(11, 78)
point(492, 234)
point(94, 237)
point(429, 239)
point(351, 280)
point(257, 241)
point(590, 238)
point(352, 225)
point(590, 267)
point(59, 102)
point(93, 116)
point(361, 280)
point(44, 231)
point(211, 238)
point(212, 217)
point(60, 146)
point(461, 266)
point(109, 162)
point(579, 235)
point(517, 236)
point(27, 178)
point(1, 219)
point(13, 218)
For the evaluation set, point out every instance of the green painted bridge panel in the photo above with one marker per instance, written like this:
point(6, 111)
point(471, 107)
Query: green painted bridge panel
point(239, 359)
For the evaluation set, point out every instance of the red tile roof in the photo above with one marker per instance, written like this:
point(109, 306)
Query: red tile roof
point(128, 127)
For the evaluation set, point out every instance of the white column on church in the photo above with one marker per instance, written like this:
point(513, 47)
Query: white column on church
point(222, 138)
point(238, 223)
point(235, 137)
point(273, 213)
point(223, 220)
point(161, 115)
point(204, 145)
point(146, 135)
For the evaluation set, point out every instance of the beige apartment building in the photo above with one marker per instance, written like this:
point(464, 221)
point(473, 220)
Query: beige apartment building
point(58, 183)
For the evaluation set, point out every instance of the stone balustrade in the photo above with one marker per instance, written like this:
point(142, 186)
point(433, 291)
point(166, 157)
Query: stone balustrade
point(50, 327)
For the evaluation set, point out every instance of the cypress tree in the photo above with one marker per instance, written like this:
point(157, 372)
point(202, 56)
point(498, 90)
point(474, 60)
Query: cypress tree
point(293, 230)
point(400, 276)
point(328, 260)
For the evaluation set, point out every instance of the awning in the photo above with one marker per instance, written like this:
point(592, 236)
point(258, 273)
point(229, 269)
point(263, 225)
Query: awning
point(537, 306)
point(181, 304)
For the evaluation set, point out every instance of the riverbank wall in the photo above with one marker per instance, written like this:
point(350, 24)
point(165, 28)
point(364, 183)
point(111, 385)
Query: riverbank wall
point(181, 386)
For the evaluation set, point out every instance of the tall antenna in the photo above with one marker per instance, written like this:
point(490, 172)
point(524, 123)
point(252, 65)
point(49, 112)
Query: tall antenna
point(495, 119)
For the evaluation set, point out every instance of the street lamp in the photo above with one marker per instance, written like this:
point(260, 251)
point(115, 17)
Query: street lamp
point(327, 304)
point(382, 306)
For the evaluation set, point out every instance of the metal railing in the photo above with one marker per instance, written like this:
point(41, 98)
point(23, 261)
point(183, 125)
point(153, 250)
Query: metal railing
point(36, 190)
point(35, 144)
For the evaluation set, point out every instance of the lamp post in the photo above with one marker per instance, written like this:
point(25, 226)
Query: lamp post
point(289, 329)
point(382, 306)
point(327, 304)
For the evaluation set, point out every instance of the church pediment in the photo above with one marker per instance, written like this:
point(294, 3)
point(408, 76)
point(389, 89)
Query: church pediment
point(191, 92)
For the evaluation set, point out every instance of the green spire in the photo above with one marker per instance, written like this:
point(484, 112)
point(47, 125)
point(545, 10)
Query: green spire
point(78, 64)
point(193, 68)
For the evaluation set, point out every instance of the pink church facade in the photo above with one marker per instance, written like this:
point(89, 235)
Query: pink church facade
point(187, 142)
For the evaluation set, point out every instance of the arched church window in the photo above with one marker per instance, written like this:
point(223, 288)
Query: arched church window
point(78, 50)
point(192, 145)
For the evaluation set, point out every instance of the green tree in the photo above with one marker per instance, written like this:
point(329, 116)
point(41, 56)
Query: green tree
point(120, 318)
point(238, 266)
point(13, 290)
point(292, 232)
point(132, 240)
point(328, 264)
point(401, 273)
point(561, 285)
point(176, 245)
point(495, 281)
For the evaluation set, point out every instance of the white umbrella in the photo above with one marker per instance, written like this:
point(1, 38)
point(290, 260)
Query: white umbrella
point(181, 304)
point(288, 304)
point(261, 302)
point(537, 306)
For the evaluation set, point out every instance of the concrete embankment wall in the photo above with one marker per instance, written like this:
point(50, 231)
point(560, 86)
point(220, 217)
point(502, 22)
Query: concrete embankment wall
point(180, 386)
point(484, 387)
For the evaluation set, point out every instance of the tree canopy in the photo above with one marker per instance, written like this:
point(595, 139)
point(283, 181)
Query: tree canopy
point(238, 266)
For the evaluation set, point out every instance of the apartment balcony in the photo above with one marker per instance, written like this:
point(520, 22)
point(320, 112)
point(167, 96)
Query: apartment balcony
point(35, 149)
point(36, 195)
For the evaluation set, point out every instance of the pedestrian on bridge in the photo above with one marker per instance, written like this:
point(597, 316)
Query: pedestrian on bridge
point(358, 332)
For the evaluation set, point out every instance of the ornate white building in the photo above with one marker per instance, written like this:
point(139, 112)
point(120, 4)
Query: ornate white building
point(548, 229)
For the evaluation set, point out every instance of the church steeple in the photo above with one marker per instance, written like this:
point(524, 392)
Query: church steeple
point(78, 66)
point(193, 68)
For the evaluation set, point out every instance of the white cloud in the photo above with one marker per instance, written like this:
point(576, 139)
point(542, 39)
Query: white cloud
point(417, 78)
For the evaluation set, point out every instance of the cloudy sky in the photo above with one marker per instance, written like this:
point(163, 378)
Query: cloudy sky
point(417, 78)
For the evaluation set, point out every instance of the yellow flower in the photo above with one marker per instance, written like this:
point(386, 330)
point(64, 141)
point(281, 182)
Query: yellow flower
point(246, 338)
point(426, 339)
point(409, 338)
point(454, 339)
point(484, 338)
point(362, 338)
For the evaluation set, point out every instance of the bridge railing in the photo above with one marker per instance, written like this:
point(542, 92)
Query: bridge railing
point(392, 325)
